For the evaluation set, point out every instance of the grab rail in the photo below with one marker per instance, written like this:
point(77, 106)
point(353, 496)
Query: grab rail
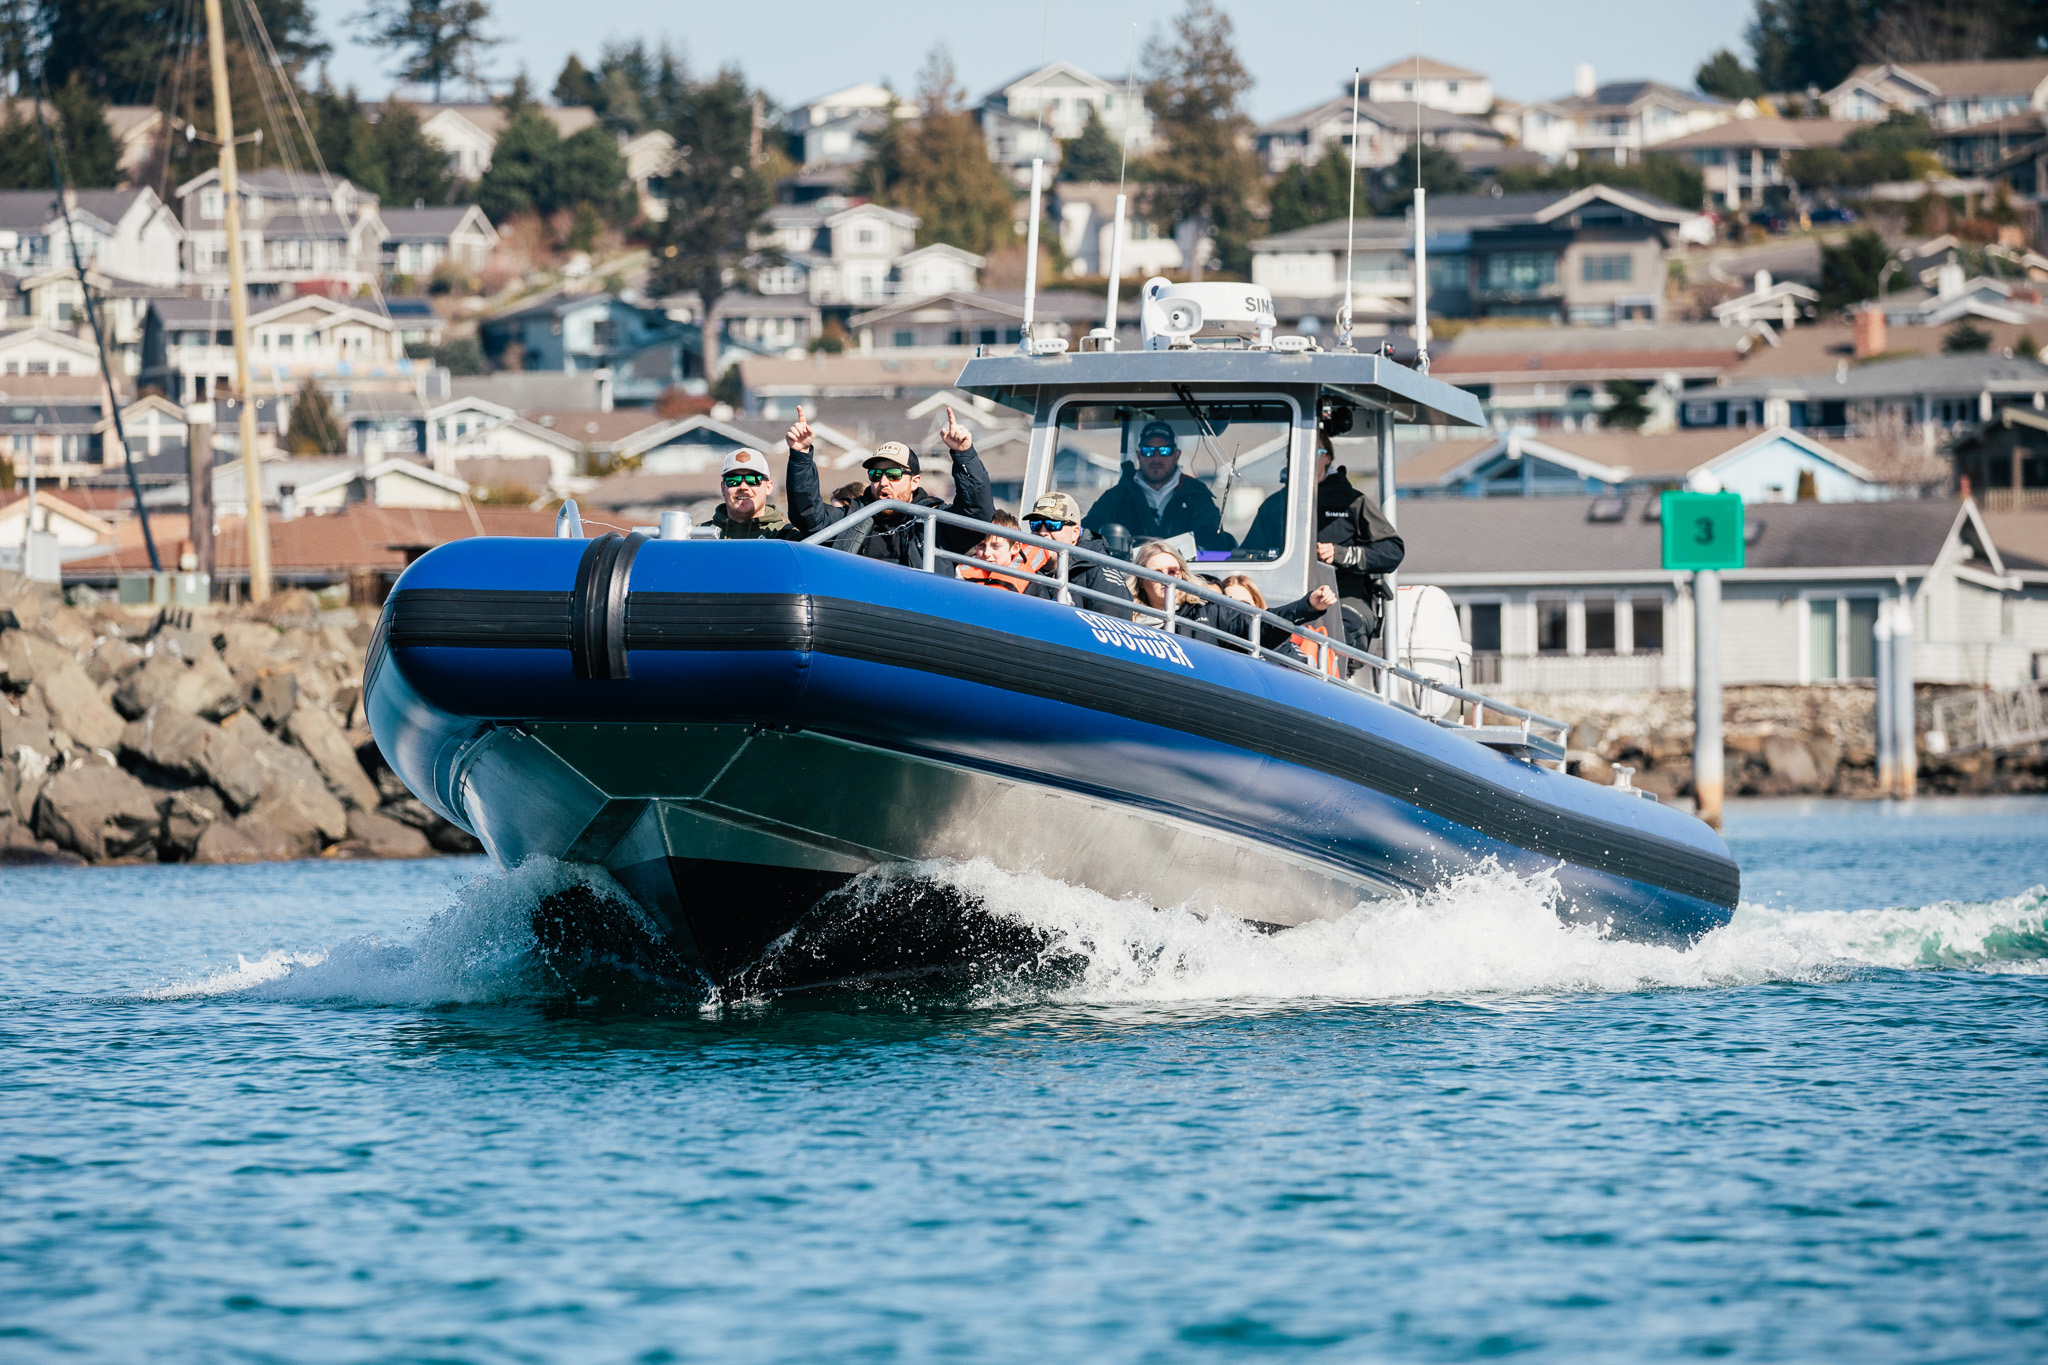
point(1252, 642)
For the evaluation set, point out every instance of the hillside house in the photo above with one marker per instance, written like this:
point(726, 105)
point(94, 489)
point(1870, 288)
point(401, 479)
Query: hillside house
point(1950, 94)
point(297, 229)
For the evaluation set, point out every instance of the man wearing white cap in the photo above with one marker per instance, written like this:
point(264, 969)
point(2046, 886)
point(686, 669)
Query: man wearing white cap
point(746, 513)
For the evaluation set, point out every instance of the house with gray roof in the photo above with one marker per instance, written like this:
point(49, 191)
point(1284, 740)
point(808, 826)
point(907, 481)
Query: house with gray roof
point(1616, 121)
point(418, 240)
point(1593, 256)
point(1384, 132)
point(1568, 593)
point(1936, 396)
point(297, 227)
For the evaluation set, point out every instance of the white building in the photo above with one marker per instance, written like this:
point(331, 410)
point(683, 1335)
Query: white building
point(837, 129)
point(1950, 94)
point(418, 240)
point(469, 132)
point(1030, 116)
point(1086, 214)
point(189, 352)
point(295, 228)
point(1384, 132)
point(832, 252)
point(1614, 122)
point(1450, 88)
point(128, 235)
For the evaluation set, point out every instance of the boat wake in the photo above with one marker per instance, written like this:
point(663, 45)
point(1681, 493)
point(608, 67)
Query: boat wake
point(1486, 934)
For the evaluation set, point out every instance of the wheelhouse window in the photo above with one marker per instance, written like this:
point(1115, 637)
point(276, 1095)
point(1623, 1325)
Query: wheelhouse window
point(1216, 471)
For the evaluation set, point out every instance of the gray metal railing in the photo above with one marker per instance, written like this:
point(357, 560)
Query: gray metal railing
point(1994, 721)
point(1526, 735)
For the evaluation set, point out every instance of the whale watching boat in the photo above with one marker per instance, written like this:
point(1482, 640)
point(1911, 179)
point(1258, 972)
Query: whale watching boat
point(742, 732)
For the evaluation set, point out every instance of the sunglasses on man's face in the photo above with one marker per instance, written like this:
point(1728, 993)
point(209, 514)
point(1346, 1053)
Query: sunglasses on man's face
point(1045, 526)
point(883, 475)
point(735, 480)
point(1158, 452)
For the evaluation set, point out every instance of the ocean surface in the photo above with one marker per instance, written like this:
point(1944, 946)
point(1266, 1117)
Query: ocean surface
point(334, 1112)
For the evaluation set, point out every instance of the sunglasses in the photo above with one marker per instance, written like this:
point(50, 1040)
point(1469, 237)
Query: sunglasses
point(1157, 452)
point(1041, 525)
point(735, 480)
point(878, 475)
point(1171, 571)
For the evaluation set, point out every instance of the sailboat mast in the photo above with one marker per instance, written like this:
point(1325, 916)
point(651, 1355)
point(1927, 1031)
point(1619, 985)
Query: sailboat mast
point(256, 526)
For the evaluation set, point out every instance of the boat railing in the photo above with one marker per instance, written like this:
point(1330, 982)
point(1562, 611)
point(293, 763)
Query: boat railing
point(1526, 732)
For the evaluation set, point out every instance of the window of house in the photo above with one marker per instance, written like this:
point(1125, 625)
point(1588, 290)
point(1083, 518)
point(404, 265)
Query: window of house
point(906, 338)
point(1646, 619)
point(1520, 270)
point(210, 205)
point(1841, 638)
point(987, 336)
point(1484, 627)
point(1601, 637)
point(1553, 630)
point(866, 237)
point(1607, 269)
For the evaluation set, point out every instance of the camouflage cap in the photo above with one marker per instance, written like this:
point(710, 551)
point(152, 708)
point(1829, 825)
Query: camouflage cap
point(1057, 507)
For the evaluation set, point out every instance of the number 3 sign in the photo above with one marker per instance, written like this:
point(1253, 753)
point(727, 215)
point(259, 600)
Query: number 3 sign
point(1702, 531)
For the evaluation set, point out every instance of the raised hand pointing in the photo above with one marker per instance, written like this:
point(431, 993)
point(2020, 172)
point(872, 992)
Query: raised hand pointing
point(798, 437)
point(954, 435)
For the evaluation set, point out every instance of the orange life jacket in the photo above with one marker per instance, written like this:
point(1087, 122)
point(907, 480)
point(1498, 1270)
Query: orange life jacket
point(979, 572)
point(1315, 647)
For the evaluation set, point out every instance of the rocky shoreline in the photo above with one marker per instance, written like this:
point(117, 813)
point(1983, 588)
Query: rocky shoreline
point(213, 735)
point(1779, 741)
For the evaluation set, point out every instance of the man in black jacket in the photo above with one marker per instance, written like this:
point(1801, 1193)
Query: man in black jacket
point(893, 472)
point(1154, 500)
point(1352, 536)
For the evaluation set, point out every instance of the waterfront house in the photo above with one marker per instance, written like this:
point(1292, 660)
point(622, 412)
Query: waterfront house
point(1950, 94)
point(1567, 593)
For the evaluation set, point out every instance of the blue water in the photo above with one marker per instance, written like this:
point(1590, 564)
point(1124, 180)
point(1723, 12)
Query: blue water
point(330, 1112)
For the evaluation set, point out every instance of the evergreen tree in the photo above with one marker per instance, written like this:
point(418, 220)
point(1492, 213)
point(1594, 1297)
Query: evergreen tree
point(344, 136)
point(313, 428)
point(1850, 270)
point(1438, 170)
point(589, 171)
point(77, 123)
point(1797, 43)
point(1724, 76)
point(939, 169)
point(436, 41)
point(2026, 346)
point(1966, 338)
point(1305, 194)
point(1092, 154)
point(415, 168)
point(716, 192)
point(1206, 174)
point(1628, 411)
point(122, 48)
point(522, 167)
point(575, 86)
point(1676, 182)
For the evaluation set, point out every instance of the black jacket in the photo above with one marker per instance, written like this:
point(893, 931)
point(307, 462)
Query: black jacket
point(892, 536)
point(1085, 575)
point(1367, 543)
point(1191, 510)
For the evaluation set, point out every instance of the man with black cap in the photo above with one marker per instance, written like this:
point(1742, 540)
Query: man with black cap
point(1353, 537)
point(893, 472)
point(1155, 501)
point(747, 513)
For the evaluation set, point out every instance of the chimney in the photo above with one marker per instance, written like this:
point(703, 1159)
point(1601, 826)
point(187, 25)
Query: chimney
point(1583, 84)
point(1763, 280)
point(1870, 338)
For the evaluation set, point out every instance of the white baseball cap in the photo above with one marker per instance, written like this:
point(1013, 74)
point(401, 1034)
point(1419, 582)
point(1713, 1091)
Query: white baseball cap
point(747, 461)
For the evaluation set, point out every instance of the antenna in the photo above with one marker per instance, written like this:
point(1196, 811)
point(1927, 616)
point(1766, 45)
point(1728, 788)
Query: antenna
point(1421, 216)
point(1031, 256)
point(1116, 235)
point(1350, 223)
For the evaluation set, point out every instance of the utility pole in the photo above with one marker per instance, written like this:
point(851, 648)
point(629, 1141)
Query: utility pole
point(255, 528)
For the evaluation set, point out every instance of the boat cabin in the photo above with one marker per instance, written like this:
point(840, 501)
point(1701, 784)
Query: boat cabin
point(1232, 410)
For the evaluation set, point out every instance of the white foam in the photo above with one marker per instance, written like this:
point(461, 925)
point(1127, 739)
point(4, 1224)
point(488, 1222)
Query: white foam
point(1487, 934)
point(479, 949)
